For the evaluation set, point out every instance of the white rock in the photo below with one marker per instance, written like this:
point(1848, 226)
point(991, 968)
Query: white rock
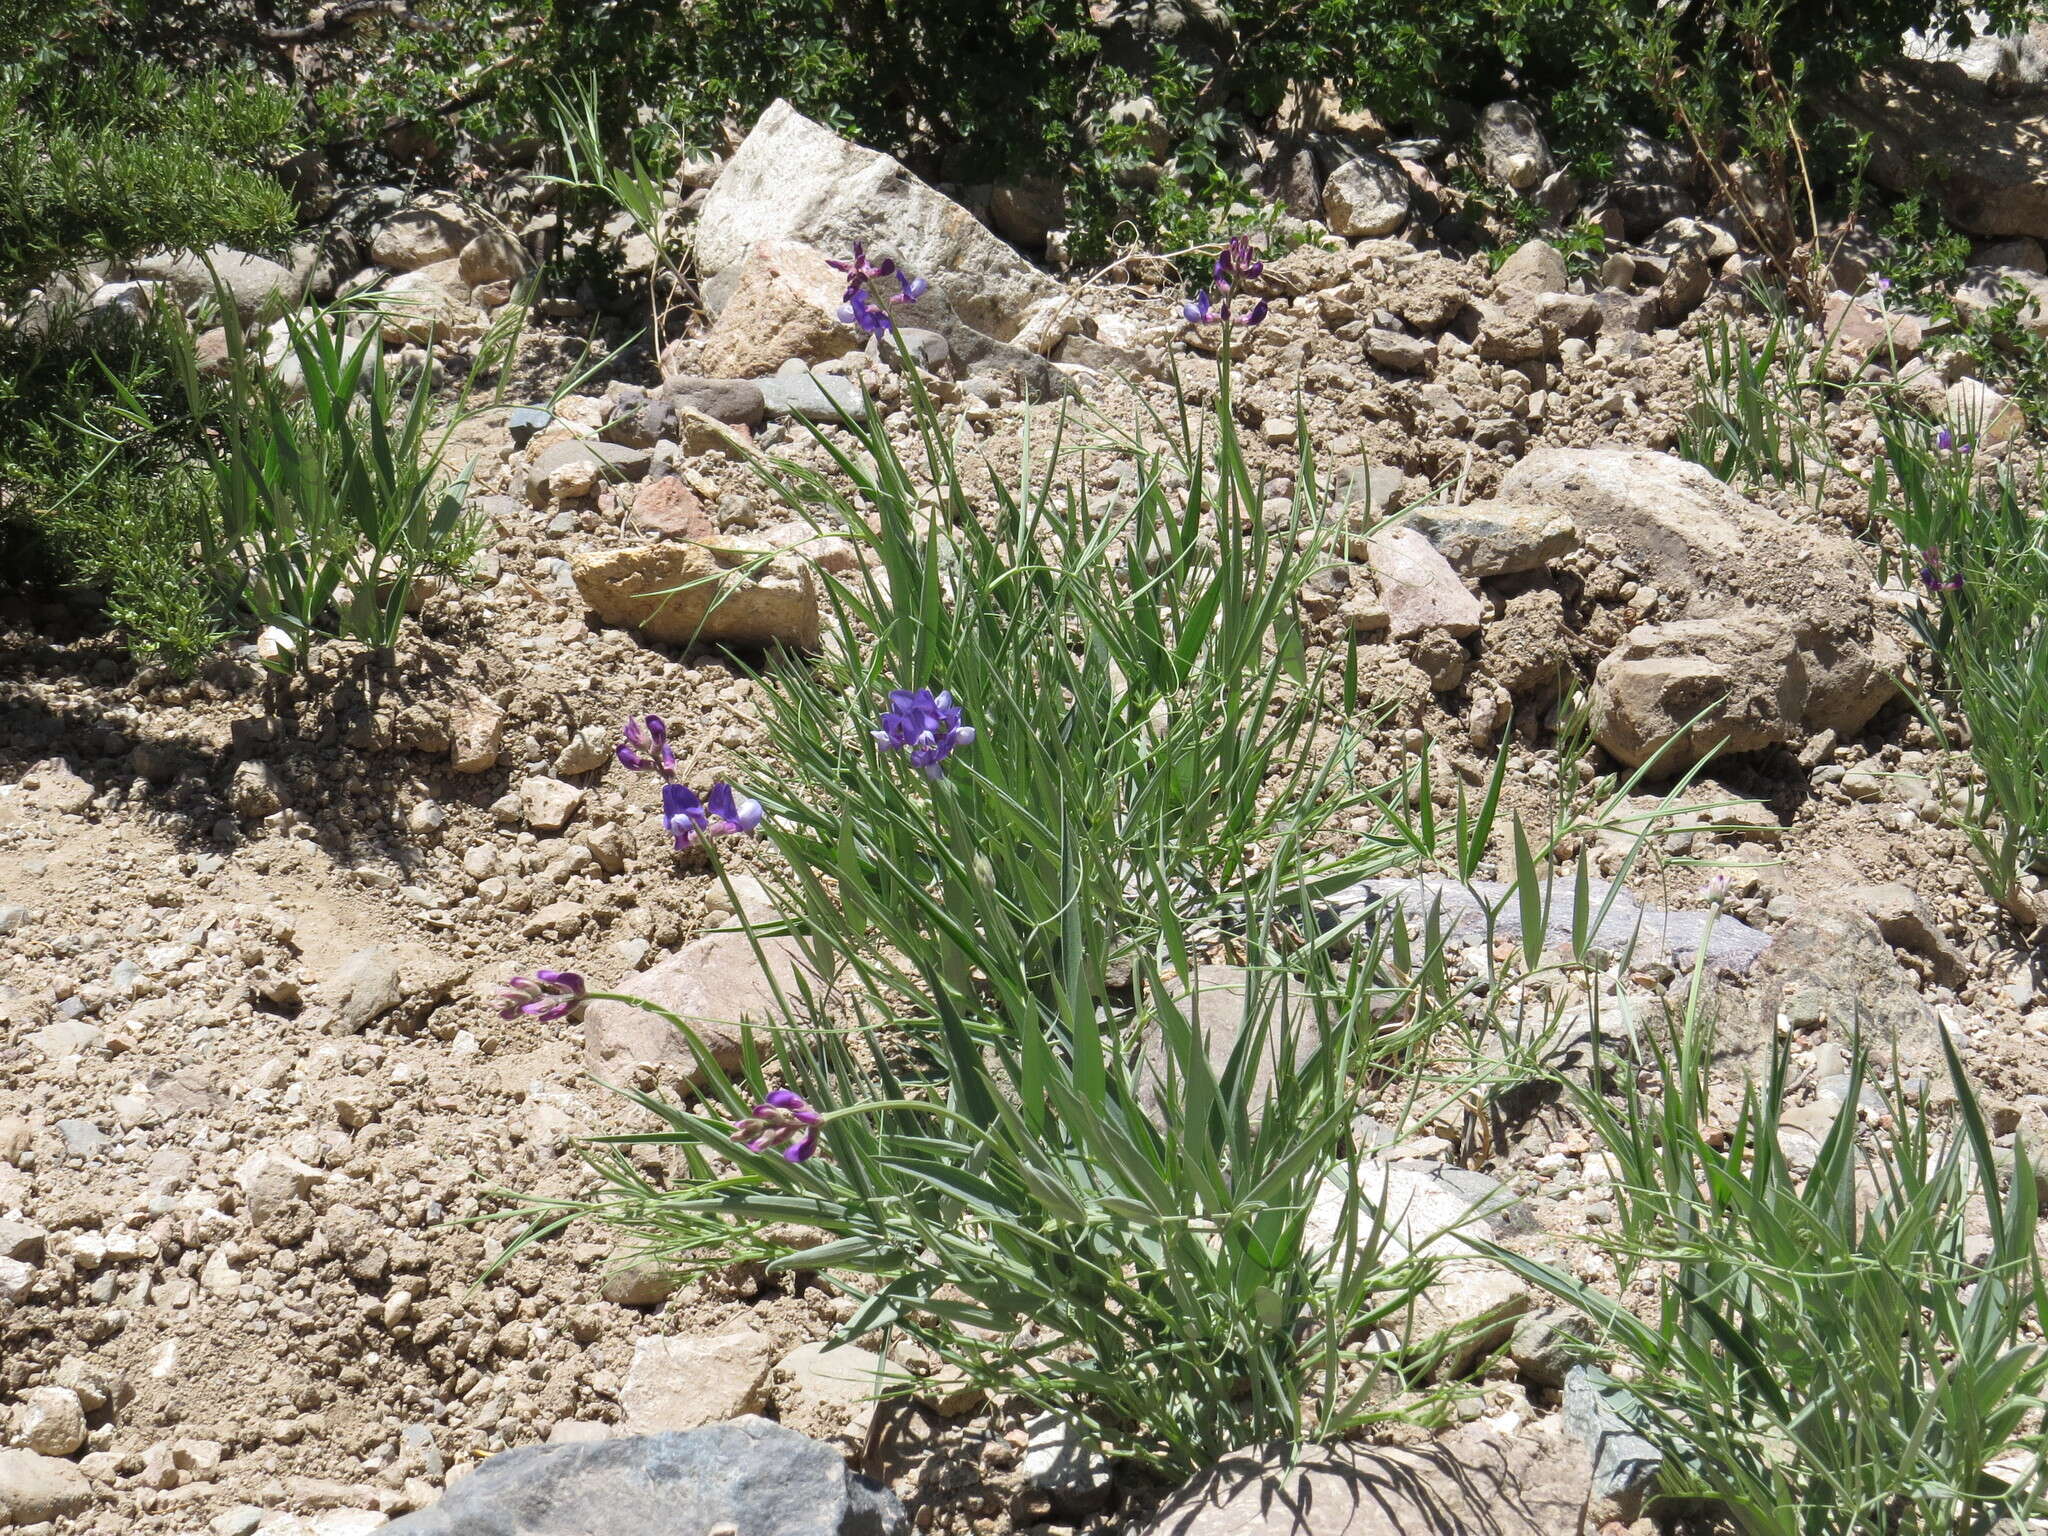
point(793, 179)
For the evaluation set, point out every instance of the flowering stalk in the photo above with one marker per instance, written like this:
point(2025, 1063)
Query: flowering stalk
point(1234, 266)
point(783, 1121)
point(1933, 578)
point(719, 814)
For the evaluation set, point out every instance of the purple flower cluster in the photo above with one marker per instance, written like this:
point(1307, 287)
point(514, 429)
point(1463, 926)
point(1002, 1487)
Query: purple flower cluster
point(860, 309)
point(783, 1120)
point(1234, 265)
point(1932, 576)
point(924, 724)
point(543, 995)
point(644, 737)
point(719, 814)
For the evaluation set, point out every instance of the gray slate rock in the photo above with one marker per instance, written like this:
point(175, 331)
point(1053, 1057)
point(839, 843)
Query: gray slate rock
point(746, 1473)
point(1624, 1463)
point(1468, 1483)
point(1654, 932)
point(736, 402)
point(814, 397)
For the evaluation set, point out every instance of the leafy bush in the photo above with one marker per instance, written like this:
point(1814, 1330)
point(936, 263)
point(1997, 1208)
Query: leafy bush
point(105, 152)
point(1852, 1350)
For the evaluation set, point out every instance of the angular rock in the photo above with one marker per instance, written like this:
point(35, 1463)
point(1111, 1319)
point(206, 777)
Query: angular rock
point(492, 256)
point(420, 237)
point(669, 509)
point(1546, 1344)
point(1648, 933)
point(1710, 551)
point(1366, 196)
point(825, 1388)
point(1837, 965)
point(1906, 920)
point(689, 593)
point(794, 179)
point(547, 804)
point(1680, 691)
point(50, 1421)
point(430, 304)
point(783, 305)
point(1982, 414)
point(1468, 1483)
point(749, 1475)
point(606, 461)
point(1533, 267)
point(677, 1382)
point(35, 1489)
point(811, 396)
point(736, 402)
point(359, 991)
point(1419, 588)
point(1625, 1464)
point(1398, 350)
point(1494, 538)
point(715, 984)
point(1060, 1464)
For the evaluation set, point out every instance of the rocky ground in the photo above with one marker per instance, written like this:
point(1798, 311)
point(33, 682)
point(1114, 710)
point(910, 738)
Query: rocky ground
point(252, 1075)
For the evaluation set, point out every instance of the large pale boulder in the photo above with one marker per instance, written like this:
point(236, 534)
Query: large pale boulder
point(784, 305)
point(260, 288)
point(1982, 154)
point(1710, 553)
point(793, 179)
point(682, 593)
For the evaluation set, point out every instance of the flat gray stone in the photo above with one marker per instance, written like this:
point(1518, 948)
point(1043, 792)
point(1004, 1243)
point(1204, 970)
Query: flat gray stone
point(811, 396)
point(747, 1474)
point(1653, 933)
point(1467, 1484)
point(1624, 1463)
point(615, 461)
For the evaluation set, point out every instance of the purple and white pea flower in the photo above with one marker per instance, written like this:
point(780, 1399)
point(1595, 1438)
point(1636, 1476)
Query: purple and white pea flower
point(783, 1121)
point(543, 995)
point(719, 814)
point(926, 725)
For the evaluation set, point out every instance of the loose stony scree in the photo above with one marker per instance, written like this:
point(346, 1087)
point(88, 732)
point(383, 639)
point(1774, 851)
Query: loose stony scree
point(750, 837)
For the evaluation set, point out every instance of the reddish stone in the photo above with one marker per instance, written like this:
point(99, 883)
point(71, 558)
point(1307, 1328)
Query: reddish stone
point(669, 509)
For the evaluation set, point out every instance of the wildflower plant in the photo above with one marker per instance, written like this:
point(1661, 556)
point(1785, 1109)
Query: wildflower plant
point(1848, 1349)
point(1981, 538)
point(1051, 758)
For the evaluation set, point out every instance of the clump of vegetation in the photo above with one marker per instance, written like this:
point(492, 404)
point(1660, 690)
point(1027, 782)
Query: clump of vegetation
point(1843, 1342)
